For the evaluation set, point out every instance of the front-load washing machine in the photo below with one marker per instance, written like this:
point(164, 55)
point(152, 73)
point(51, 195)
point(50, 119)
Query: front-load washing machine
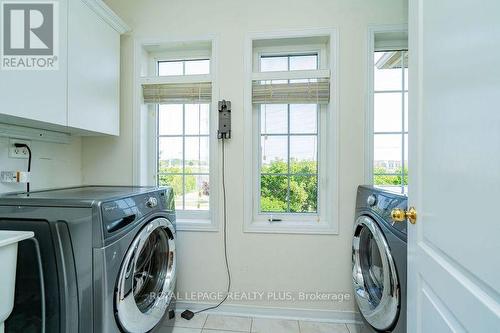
point(104, 259)
point(379, 257)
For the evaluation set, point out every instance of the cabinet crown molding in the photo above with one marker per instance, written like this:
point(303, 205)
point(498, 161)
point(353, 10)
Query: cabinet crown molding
point(107, 14)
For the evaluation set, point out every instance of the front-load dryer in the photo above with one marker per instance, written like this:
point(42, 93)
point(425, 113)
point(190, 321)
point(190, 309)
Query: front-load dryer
point(379, 257)
point(104, 259)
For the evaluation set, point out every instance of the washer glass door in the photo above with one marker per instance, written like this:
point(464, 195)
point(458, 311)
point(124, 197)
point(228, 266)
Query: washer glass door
point(375, 280)
point(146, 281)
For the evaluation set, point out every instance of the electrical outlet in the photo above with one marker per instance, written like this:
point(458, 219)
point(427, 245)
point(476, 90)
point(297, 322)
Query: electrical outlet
point(15, 152)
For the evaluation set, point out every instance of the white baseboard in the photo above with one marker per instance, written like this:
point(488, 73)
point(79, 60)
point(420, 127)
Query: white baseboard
point(331, 316)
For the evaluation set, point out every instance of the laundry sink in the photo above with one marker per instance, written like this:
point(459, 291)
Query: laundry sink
point(8, 260)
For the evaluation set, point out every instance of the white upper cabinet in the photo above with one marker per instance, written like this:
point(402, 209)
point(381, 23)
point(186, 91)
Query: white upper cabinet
point(94, 71)
point(82, 96)
point(35, 94)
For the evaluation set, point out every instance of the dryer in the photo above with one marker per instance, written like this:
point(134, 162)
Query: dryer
point(379, 257)
point(109, 259)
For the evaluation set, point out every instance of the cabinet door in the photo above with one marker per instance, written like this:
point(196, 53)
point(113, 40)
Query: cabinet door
point(37, 94)
point(93, 72)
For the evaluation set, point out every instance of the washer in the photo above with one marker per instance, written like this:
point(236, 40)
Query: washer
point(379, 257)
point(103, 260)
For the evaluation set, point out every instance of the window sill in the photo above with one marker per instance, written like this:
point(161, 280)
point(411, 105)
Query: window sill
point(184, 224)
point(306, 228)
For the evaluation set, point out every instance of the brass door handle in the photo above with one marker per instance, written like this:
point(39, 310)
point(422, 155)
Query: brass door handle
point(400, 215)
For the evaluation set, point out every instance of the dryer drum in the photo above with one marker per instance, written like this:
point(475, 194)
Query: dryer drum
point(376, 286)
point(146, 281)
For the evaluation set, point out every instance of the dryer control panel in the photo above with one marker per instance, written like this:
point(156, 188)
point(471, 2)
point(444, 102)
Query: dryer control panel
point(381, 203)
point(124, 213)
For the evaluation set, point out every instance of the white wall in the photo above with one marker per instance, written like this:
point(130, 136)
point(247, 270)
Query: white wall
point(53, 165)
point(259, 262)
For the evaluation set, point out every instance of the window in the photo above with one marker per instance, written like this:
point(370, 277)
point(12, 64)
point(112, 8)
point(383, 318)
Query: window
point(290, 185)
point(173, 140)
point(288, 146)
point(183, 137)
point(390, 120)
point(288, 62)
point(183, 67)
point(183, 154)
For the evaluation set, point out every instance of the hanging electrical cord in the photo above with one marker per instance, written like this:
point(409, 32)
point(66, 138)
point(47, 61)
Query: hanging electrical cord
point(187, 314)
point(23, 145)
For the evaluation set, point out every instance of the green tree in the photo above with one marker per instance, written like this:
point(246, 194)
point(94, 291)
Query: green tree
point(269, 204)
point(303, 190)
point(175, 181)
point(396, 179)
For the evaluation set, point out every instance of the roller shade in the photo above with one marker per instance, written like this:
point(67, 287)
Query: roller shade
point(177, 93)
point(312, 91)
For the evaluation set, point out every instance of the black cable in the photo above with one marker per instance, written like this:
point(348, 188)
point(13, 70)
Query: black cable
point(29, 158)
point(29, 170)
point(187, 314)
point(225, 233)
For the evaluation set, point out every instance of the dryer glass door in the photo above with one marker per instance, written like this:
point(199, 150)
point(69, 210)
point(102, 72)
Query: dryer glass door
point(375, 280)
point(147, 277)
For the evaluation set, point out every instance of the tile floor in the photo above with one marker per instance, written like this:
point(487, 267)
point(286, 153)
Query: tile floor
point(211, 323)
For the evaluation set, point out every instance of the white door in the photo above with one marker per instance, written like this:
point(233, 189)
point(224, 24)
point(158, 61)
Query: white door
point(454, 248)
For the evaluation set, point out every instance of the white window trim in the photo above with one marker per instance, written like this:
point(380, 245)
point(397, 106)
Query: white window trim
point(144, 137)
point(301, 223)
point(369, 113)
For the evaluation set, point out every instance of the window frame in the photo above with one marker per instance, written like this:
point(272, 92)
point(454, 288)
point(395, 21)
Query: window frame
point(324, 221)
point(147, 147)
point(370, 103)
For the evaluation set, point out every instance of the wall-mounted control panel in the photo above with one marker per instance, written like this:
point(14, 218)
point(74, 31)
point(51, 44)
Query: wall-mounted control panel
point(224, 131)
